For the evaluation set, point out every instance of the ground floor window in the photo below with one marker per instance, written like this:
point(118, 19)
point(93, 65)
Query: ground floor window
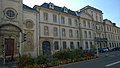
point(56, 45)
point(64, 45)
point(71, 45)
point(86, 44)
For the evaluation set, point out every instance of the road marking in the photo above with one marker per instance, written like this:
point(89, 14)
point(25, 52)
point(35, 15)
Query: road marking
point(112, 64)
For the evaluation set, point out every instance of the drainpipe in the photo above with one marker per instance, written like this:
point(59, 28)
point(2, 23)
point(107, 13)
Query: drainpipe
point(80, 35)
point(59, 30)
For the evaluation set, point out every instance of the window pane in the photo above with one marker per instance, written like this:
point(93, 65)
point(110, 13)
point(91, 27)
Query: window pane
point(45, 16)
point(69, 21)
point(70, 33)
point(54, 18)
point(64, 45)
point(56, 45)
point(63, 32)
point(46, 30)
point(62, 20)
point(71, 45)
point(55, 31)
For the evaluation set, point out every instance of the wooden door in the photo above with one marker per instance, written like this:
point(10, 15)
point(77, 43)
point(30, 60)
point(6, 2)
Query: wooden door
point(9, 47)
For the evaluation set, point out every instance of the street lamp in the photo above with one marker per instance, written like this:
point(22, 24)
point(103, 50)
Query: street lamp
point(97, 39)
point(3, 51)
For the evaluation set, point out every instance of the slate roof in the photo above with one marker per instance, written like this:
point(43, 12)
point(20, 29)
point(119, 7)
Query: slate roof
point(89, 7)
point(59, 9)
point(28, 8)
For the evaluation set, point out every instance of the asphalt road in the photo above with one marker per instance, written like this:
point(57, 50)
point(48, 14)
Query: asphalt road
point(111, 61)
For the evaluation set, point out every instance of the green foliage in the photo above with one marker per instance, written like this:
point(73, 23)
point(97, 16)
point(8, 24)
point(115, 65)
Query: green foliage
point(41, 59)
point(61, 55)
point(53, 62)
point(30, 61)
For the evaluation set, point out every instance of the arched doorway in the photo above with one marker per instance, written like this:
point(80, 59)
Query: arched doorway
point(46, 47)
point(9, 39)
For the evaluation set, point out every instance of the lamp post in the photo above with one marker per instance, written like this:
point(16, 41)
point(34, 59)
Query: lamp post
point(97, 40)
point(3, 51)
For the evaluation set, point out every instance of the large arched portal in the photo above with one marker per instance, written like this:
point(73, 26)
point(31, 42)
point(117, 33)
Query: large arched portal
point(46, 48)
point(9, 40)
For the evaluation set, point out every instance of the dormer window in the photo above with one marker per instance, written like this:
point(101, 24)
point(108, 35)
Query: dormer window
point(51, 5)
point(65, 10)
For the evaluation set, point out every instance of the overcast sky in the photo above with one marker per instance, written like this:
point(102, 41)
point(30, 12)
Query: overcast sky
point(110, 8)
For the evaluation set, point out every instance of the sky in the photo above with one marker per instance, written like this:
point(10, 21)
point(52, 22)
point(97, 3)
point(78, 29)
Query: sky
point(110, 8)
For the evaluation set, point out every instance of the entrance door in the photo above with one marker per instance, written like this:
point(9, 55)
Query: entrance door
point(9, 47)
point(46, 48)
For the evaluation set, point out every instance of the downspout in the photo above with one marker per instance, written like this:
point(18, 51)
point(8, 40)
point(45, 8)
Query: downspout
point(80, 35)
point(59, 30)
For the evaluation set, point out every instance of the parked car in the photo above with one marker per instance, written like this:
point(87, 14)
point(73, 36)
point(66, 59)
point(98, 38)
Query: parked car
point(115, 49)
point(102, 50)
point(105, 49)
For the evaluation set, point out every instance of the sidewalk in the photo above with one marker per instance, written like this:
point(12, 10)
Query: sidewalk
point(7, 65)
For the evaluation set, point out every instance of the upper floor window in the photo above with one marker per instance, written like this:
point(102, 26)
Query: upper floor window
point(85, 34)
point(65, 9)
point(51, 5)
point(56, 45)
point(92, 13)
point(96, 17)
point(76, 22)
point(69, 21)
point(55, 31)
point(84, 23)
point(70, 33)
point(90, 35)
point(62, 20)
point(10, 13)
point(77, 34)
point(46, 30)
point(45, 16)
point(100, 19)
point(63, 32)
point(88, 24)
point(54, 18)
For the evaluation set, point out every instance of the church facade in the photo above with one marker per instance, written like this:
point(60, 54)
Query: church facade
point(48, 28)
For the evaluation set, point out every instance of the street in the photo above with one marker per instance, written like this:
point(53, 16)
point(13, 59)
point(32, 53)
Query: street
point(112, 60)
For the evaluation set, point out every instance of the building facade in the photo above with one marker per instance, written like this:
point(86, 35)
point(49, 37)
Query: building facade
point(48, 28)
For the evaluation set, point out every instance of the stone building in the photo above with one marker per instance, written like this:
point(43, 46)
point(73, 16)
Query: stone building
point(47, 28)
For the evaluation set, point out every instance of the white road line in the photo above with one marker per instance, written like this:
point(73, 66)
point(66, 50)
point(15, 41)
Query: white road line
point(112, 64)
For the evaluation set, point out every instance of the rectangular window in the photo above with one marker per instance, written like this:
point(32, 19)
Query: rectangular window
point(70, 33)
point(55, 31)
point(71, 45)
point(62, 20)
point(85, 34)
point(84, 22)
point(96, 17)
point(78, 45)
point(77, 34)
point(88, 24)
point(64, 45)
point(46, 30)
point(69, 21)
point(76, 22)
point(63, 32)
point(54, 18)
point(90, 34)
point(56, 45)
point(45, 16)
